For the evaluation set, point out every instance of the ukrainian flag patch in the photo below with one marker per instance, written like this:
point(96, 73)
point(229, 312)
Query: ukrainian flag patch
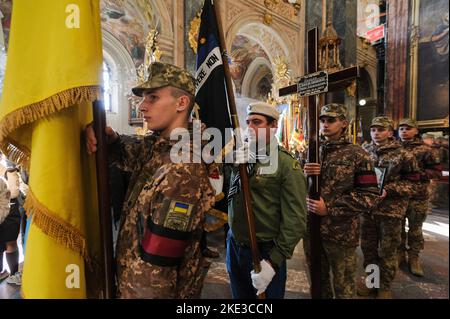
point(178, 216)
point(180, 207)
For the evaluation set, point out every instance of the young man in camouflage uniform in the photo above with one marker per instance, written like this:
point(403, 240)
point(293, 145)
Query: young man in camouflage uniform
point(441, 186)
point(158, 251)
point(381, 227)
point(348, 188)
point(416, 213)
point(428, 139)
point(278, 192)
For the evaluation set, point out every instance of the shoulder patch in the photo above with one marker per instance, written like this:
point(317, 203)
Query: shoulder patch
point(178, 216)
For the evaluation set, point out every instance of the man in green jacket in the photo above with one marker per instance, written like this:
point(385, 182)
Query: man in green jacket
point(278, 190)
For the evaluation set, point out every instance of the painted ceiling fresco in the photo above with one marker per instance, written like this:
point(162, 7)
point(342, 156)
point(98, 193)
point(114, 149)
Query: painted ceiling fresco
point(243, 52)
point(129, 22)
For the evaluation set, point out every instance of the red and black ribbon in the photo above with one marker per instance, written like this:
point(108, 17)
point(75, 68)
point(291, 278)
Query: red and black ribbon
point(164, 246)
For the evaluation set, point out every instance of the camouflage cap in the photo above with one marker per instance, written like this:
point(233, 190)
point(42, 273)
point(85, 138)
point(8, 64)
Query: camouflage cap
point(165, 74)
point(263, 109)
point(427, 135)
point(334, 110)
point(382, 121)
point(408, 122)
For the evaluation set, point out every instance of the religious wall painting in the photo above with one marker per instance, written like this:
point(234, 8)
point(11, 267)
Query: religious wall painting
point(260, 86)
point(264, 87)
point(431, 36)
point(128, 23)
point(134, 115)
point(243, 52)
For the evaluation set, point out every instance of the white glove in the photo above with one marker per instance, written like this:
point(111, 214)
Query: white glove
point(262, 279)
point(216, 181)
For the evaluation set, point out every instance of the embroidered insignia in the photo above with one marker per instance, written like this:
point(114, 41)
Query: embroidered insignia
point(180, 208)
point(178, 217)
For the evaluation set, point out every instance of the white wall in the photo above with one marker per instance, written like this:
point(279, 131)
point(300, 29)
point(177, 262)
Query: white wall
point(124, 78)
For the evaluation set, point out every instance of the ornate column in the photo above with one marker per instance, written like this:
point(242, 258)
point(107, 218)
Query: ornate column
point(397, 59)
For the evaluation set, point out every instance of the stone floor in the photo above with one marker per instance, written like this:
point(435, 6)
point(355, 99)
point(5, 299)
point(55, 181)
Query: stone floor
point(435, 258)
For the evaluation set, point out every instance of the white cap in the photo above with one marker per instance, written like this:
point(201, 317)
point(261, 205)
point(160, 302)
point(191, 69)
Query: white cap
point(263, 109)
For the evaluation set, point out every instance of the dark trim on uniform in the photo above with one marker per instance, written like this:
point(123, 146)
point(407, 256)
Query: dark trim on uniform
point(413, 177)
point(167, 232)
point(160, 260)
point(436, 167)
point(163, 246)
point(366, 179)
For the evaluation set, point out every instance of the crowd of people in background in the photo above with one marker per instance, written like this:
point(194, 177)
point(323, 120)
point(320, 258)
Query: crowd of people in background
point(13, 190)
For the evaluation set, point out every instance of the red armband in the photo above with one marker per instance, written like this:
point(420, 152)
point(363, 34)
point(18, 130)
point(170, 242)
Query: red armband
point(164, 246)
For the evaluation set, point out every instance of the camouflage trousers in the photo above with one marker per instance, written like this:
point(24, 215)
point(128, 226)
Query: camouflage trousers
point(338, 269)
point(380, 238)
point(416, 215)
point(432, 191)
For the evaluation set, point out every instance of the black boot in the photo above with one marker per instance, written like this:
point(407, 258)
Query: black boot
point(13, 261)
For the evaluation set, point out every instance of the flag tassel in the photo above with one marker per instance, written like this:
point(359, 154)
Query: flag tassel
point(44, 108)
point(59, 230)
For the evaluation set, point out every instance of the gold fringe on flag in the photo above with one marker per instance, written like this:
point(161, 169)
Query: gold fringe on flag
point(19, 154)
point(36, 111)
point(54, 227)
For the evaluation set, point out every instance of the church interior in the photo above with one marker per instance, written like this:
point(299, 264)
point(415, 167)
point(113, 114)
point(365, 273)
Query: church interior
point(399, 49)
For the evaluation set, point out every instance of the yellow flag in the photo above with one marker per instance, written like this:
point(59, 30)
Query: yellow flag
point(52, 76)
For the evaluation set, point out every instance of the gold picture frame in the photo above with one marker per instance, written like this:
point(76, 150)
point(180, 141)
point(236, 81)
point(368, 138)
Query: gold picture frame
point(416, 37)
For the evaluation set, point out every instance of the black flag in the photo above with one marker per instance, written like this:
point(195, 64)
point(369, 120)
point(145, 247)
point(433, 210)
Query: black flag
point(211, 95)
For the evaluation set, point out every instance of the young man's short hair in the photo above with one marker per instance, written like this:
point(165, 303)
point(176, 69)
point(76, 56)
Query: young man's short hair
point(176, 93)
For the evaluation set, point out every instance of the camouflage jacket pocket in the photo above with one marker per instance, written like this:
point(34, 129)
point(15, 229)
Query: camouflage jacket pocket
point(342, 230)
point(337, 178)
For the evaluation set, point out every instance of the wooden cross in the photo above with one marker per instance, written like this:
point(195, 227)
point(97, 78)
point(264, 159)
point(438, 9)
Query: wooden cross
point(336, 81)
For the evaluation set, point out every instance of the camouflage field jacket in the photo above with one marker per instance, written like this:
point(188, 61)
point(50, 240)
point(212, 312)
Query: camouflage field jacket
point(428, 162)
point(158, 252)
point(402, 179)
point(348, 187)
